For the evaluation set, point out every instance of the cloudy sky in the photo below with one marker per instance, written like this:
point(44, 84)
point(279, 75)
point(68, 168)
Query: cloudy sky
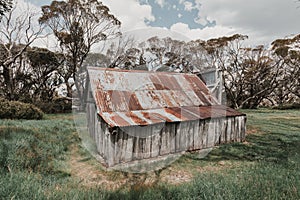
point(262, 20)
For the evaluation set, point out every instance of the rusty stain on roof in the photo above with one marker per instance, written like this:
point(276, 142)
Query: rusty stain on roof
point(128, 98)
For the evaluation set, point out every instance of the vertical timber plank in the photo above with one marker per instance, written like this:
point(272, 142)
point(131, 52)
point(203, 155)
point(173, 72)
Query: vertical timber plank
point(118, 146)
point(244, 127)
point(191, 135)
point(135, 144)
point(223, 130)
point(178, 137)
point(155, 145)
point(110, 147)
point(123, 146)
point(172, 137)
point(147, 144)
point(129, 148)
point(202, 134)
point(211, 133)
point(197, 135)
point(217, 131)
point(183, 136)
point(228, 130)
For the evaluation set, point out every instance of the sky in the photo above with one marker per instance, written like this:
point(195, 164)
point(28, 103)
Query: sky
point(262, 20)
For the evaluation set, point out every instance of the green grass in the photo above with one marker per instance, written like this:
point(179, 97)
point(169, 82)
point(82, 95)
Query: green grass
point(34, 155)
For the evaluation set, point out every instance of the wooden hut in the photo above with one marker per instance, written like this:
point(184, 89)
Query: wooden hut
point(136, 115)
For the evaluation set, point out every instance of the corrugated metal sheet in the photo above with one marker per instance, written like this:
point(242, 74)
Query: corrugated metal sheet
point(128, 98)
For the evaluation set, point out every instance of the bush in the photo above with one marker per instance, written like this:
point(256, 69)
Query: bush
point(288, 106)
point(18, 110)
point(58, 105)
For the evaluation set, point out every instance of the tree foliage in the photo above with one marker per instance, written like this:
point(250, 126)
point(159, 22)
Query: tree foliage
point(287, 51)
point(250, 76)
point(34, 75)
point(5, 6)
point(28, 74)
point(17, 33)
point(45, 75)
point(155, 54)
point(78, 25)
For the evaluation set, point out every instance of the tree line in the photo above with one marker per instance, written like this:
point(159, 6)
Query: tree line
point(268, 75)
point(251, 76)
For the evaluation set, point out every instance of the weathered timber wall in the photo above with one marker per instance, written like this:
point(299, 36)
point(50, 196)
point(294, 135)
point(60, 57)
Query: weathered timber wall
point(121, 145)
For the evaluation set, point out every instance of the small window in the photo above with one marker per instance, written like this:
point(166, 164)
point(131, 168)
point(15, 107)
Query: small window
point(209, 78)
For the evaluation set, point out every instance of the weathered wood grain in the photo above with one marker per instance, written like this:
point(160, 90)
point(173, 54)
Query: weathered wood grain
point(155, 145)
point(165, 140)
point(223, 130)
point(184, 136)
point(129, 148)
point(178, 137)
point(142, 143)
point(217, 130)
point(172, 137)
point(197, 135)
point(147, 144)
point(119, 146)
point(211, 133)
point(111, 151)
point(190, 136)
point(135, 148)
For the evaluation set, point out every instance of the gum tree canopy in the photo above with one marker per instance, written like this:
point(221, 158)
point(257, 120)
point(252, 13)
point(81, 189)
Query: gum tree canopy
point(78, 25)
point(5, 5)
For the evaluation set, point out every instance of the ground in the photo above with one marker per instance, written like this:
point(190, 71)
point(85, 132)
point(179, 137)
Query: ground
point(45, 160)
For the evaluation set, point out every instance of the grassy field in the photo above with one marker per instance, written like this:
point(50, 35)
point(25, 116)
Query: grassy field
point(44, 160)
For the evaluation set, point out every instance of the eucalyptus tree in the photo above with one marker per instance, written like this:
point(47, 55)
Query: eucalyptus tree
point(164, 54)
point(249, 75)
point(122, 53)
point(17, 33)
point(287, 51)
point(78, 25)
point(5, 6)
point(199, 57)
point(45, 76)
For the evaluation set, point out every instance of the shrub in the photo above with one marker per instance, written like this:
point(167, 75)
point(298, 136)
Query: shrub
point(18, 110)
point(58, 105)
point(288, 106)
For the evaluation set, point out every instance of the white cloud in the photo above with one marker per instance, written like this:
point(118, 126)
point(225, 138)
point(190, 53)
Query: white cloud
point(202, 21)
point(161, 3)
point(141, 35)
point(188, 6)
point(263, 21)
point(131, 14)
point(204, 34)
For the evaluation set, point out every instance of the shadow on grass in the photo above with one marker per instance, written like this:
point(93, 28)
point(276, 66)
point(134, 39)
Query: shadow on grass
point(271, 147)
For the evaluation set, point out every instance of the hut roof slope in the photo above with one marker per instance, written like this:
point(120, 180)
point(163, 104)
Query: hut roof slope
point(127, 98)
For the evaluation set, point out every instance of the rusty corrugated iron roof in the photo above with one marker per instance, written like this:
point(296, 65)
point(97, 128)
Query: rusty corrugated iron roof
point(128, 98)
